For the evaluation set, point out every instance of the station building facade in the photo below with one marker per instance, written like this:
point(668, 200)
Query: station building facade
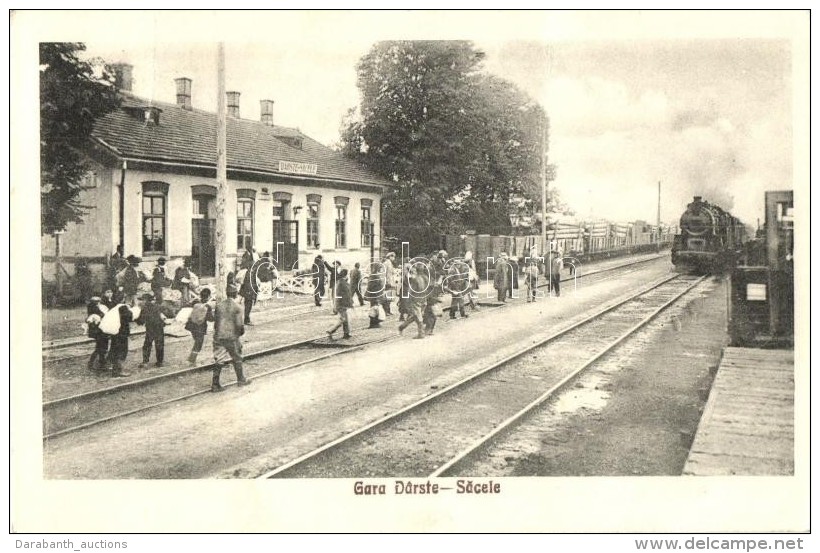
point(153, 190)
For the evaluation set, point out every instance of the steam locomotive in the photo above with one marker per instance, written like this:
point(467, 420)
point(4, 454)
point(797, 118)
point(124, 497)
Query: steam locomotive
point(710, 238)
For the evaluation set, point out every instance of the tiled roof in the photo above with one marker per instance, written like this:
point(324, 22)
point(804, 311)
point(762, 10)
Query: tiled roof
point(189, 136)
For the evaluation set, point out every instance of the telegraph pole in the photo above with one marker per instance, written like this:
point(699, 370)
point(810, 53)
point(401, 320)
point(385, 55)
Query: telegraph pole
point(659, 216)
point(544, 185)
point(221, 175)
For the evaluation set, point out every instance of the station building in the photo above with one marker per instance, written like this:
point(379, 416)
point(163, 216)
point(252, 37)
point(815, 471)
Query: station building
point(153, 190)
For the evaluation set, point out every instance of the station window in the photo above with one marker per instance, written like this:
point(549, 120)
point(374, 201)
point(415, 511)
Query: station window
point(366, 223)
point(244, 224)
point(341, 226)
point(313, 225)
point(154, 197)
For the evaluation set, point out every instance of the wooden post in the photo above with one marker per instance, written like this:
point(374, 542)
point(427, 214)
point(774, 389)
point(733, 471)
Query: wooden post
point(659, 216)
point(221, 176)
point(544, 185)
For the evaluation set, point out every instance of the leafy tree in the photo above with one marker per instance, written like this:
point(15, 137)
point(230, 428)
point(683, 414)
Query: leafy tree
point(73, 94)
point(458, 142)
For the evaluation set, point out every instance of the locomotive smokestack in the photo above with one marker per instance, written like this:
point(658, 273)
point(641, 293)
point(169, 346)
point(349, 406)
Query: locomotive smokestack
point(698, 198)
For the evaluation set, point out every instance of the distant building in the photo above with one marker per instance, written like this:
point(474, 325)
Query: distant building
point(153, 190)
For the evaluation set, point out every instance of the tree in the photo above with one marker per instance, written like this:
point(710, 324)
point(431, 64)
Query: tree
point(73, 94)
point(459, 143)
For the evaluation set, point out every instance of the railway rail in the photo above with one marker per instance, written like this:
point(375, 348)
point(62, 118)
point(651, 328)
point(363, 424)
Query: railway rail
point(79, 411)
point(434, 435)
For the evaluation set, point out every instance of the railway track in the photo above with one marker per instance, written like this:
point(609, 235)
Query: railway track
point(434, 435)
point(76, 412)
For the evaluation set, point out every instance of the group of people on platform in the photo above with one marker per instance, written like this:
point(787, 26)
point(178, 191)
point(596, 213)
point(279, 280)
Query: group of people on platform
point(109, 316)
point(416, 289)
point(507, 271)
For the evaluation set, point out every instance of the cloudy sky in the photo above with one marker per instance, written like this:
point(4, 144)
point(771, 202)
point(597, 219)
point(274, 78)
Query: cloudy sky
point(702, 102)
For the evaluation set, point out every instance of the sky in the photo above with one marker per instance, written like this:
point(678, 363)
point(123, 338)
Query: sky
point(634, 99)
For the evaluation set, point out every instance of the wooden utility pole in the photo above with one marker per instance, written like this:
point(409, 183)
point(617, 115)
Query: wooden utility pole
point(659, 213)
point(659, 206)
point(544, 139)
point(221, 176)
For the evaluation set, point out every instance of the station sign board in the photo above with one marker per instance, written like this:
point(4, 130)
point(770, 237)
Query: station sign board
point(298, 168)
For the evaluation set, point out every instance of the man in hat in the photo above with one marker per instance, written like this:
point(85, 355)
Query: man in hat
point(437, 261)
point(343, 302)
point(503, 277)
point(457, 283)
point(389, 265)
point(128, 280)
point(356, 283)
point(334, 275)
point(158, 280)
point(514, 271)
point(119, 341)
point(419, 288)
point(182, 281)
point(556, 264)
point(248, 290)
point(154, 320)
point(228, 327)
point(318, 271)
point(96, 311)
point(116, 264)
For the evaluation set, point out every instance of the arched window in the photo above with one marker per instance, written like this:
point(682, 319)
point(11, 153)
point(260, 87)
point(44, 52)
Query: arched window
point(313, 204)
point(154, 209)
point(244, 219)
point(341, 221)
point(367, 222)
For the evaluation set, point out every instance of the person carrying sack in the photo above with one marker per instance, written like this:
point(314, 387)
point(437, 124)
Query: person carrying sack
point(96, 311)
point(183, 281)
point(197, 324)
point(158, 280)
point(117, 323)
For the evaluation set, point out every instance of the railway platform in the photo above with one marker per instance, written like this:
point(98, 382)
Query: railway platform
point(747, 426)
point(61, 327)
point(279, 321)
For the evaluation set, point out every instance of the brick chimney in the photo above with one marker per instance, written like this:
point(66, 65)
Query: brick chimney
point(233, 104)
point(266, 109)
point(184, 92)
point(123, 75)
